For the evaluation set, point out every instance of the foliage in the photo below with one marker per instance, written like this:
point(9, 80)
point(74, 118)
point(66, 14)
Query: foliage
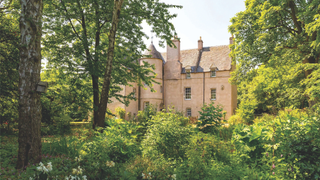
point(276, 52)
point(60, 125)
point(77, 36)
point(210, 118)
point(121, 112)
point(167, 134)
point(9, 64)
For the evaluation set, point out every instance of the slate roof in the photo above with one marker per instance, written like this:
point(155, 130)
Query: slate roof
point(217, 56)
point(153, 52)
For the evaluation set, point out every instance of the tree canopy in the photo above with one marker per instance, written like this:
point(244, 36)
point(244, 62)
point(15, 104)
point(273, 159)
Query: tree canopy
point(276, 52)
point(78, 32)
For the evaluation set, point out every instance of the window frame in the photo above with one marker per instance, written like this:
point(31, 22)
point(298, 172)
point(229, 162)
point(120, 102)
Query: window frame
point(188, 75)
point(188, 112)
point(187, 94)
point(215, 94)
point(213, 71)
point(146, 104)
point(134, 90)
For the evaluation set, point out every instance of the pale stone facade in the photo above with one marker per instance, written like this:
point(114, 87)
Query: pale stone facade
point(188, 79)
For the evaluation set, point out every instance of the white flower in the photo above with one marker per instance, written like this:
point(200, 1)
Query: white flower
point(49, 166)
point(110, 163)
point(174, 176)
point(40, 164)
point(30, 178)
point(84, 177)
point(67, 178)
point(45, 170)
point(39, 168)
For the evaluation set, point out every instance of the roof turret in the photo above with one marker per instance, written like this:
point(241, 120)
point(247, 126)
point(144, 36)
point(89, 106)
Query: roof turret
point(153, 52)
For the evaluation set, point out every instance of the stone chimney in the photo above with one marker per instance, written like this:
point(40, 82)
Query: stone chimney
point(173, 54)
point(200, 44)
point(231, 40)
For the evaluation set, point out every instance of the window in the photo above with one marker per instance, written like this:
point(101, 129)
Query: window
point(188, 75)
point(134, 92)
point(213, 73)
point(187, 93)
point(188, 111)
point(146, 104)
point(213, 94)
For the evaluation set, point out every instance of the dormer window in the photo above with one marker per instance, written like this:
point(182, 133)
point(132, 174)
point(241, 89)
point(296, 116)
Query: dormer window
point(188, 72)
point(213, 73)
point(188, 75)
point(213, 70)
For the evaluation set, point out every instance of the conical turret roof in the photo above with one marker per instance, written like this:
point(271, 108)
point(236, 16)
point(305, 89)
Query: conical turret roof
point(153, 52)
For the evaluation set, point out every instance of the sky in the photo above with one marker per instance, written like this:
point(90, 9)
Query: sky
point(206, 18)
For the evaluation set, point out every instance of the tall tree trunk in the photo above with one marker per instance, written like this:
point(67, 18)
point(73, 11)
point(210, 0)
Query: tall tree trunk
point(107, 74)
point(29, 75)
point(95, 78)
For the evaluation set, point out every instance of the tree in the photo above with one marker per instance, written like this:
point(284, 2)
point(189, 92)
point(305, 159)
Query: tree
point(29, 76)
point(276, 52)
point(9, 62)
point(79, 37)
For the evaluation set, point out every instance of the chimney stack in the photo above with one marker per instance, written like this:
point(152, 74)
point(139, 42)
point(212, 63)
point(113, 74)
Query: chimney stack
point(173, 54)
point(200, 44)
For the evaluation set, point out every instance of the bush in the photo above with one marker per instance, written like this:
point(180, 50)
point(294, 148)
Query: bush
point(211, 117)
point(167, 134)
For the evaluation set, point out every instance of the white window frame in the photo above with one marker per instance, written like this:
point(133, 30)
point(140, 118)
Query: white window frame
point(188, 112)
point(213, 73)
point(215, 94)
point(187, 94)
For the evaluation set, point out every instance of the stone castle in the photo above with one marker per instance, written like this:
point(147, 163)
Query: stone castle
point(187, 80)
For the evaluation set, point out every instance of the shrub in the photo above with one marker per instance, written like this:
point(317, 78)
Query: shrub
point(167, 134)
point(210, 118)
point(121, 113)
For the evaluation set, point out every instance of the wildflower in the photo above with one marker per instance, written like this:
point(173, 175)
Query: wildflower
point(84, 177)
point(49, 166)
point(110, 163)
point(174, 176)
point(273, 173)
point(273, 166)
point(281, 155)
point(267, 154)
point(201, 139)
point(74, 171)
point(39, 168)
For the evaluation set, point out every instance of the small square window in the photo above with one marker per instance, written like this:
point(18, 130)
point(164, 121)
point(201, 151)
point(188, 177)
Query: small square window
point(213, 73)
point(188, 110)
point(188, 75)
point(187, 93)
point(213, 94)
